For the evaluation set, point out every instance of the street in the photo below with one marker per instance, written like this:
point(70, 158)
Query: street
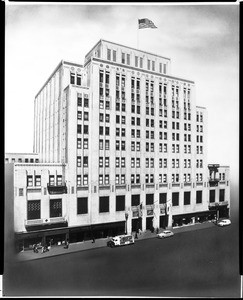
point(201, 263)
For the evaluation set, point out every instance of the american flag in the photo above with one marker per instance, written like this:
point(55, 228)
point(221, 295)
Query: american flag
point(145, 23)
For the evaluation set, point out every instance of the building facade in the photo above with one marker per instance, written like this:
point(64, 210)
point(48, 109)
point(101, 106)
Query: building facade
point(122, 146)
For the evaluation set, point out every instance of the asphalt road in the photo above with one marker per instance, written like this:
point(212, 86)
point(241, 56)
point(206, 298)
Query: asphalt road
point(202, 263)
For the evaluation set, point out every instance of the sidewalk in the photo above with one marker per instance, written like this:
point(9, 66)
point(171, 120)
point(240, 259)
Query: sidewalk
point(89, 245)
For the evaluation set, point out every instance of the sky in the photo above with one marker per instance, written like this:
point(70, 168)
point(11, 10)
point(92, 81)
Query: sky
point(201, 40)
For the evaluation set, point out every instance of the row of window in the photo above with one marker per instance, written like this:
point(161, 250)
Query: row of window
point(36, 180)
point(135, 146)
point(149, 178)
point(20, 160)
point(55, 206)
point(138, 61)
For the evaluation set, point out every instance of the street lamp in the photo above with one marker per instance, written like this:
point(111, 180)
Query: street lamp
point(126, 217)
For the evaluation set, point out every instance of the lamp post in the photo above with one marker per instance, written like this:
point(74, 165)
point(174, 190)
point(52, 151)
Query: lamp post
point(126, 217)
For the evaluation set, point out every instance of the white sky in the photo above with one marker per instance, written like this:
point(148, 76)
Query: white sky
point(201, 40)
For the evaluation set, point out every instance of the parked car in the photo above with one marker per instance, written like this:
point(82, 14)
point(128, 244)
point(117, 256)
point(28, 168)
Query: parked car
point(120, 240)
point(164, 234)
point(224, 222)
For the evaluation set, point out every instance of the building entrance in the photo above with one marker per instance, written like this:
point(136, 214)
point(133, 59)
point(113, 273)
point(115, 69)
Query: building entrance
point(136, 224)
point(149, 223)
point(163, 221)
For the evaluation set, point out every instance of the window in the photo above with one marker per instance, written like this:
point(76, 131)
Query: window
point(138, 146)
point(100, 179)
point(123, 179)
point(79, 116)
point(120, 203)
point(79, 143)
point(123, 145)
point(79, 128)
point(55, 208)
point(72, 78)
point(123, 162)
point(86, 101)
point(117, 179)
point(108, 54)
point(149, 199)
point(79, 161)
point(78, 180)
point(37, 180)
point(132, 162)
point(153, 65)
point(128, 59)
point(86, 116)
point(141, 62)
point(162, 198)
point(148, 64)
point(33, 209)
point(86, 143)
point(175, 199)
point(187, 198)
point(117, 145)
point(151, 162)
point(107, 162)
point(29, 180)
point(136, 61)
point(199, 197)
point(212, 196)
point(101, 144)
point(137, 178)
point(82, 205)
point(138, 162)
point(101, 162)
point(86, 129)
point(107, 179)
point(135, 200)
point(85, 162)
point(78, 79)
point(21, 192)
point(104, 204)
point(132, 178)
point(114, 55)
point(85, 180)
point(221, 195)
point(164, 178)
point(107, 131)
point(123, 58)
point(79, 100)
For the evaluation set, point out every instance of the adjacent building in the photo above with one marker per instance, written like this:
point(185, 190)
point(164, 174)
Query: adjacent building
point(122, 146)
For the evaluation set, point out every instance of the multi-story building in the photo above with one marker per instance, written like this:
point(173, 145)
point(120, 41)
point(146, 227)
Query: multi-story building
point(122, 146)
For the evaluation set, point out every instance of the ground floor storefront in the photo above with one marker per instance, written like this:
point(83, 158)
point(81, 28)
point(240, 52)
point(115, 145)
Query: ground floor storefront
point(60, 236)
point(192, 218)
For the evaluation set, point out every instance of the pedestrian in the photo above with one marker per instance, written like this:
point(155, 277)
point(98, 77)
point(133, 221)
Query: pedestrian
point(93, 240)
point(67, 244)
point(136, 235)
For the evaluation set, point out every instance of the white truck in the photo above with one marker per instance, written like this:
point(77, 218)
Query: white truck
point(121, 240)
